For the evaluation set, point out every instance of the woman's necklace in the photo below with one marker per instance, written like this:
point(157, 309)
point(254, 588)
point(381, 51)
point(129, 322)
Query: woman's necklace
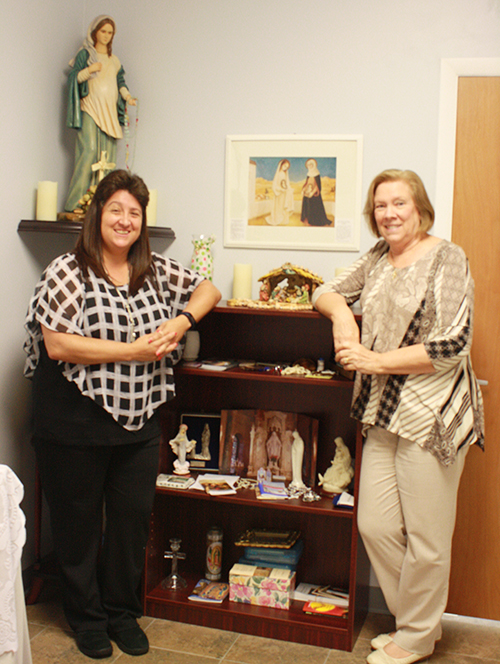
point(126, 303)
point(130, 315)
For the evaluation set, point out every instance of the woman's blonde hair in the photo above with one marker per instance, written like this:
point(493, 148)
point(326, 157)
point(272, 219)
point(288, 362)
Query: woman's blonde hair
point(419, 194)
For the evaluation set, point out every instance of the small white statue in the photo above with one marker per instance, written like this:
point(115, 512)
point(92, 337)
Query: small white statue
point(181, 446)
point(340, 473)
point(297, 457)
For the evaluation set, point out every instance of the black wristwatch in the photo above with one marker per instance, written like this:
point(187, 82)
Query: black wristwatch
point(190, 318)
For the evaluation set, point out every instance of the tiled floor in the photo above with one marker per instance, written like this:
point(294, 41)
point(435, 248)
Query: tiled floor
point(465, 641)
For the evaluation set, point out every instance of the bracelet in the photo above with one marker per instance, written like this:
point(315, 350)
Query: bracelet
point(190, 318)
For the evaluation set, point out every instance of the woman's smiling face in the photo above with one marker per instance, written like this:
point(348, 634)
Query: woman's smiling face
point(121, 222)
point(396, 215)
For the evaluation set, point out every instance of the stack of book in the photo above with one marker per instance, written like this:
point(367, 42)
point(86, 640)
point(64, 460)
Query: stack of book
point(273, 557)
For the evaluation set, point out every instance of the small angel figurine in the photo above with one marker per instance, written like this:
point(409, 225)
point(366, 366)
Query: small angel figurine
point(339, 475)
point(181, 446)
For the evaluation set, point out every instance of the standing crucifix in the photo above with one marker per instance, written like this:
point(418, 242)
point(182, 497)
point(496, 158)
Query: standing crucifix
point(174, 581)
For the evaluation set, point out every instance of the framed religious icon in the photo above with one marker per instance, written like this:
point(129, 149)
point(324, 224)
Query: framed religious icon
point(205, 429)
point(254, 439)
point(293, 192)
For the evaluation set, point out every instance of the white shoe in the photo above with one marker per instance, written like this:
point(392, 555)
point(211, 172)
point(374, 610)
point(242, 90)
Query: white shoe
point(381, 657)
point(380, 641)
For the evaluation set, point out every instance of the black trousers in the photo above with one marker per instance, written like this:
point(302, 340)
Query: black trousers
point(100, 500)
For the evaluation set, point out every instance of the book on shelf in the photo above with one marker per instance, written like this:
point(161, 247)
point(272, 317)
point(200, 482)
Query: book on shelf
point(268, 538)
point(267, 563)
point(174, 481)
point(320, 608)
point(289, 556)
point(212, 592)
point(309, 592)
point(271, 491)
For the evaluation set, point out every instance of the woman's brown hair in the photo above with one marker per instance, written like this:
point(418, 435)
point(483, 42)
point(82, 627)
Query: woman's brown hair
point(88, 248)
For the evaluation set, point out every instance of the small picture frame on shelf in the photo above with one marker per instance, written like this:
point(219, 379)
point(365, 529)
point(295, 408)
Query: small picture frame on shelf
point(205, 429)
point(253, 439)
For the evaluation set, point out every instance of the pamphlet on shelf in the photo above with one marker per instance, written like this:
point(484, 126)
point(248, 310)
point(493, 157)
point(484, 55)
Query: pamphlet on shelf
point(343, 499)
point(212, 592)
point(216, 364)
point(305, 592)
point(323, 609)
point(216, 484)
point(271, 491)
point(174, 481)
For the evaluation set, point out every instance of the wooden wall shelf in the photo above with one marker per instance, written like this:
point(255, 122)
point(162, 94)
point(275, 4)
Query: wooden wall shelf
point(332, 553)
point(73, 227)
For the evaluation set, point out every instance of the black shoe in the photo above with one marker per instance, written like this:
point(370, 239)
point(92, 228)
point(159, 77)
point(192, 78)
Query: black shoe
point(95, 644)
point(132, 641)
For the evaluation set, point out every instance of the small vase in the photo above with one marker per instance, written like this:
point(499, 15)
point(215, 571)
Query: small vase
point(202, 260)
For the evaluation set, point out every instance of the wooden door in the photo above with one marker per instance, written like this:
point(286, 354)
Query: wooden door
point(475, 576)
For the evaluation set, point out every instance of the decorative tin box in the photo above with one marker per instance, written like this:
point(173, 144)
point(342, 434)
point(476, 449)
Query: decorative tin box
point(262, 586)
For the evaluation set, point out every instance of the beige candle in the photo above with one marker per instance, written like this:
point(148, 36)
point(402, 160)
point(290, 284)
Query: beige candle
point(339, 270)
point(46, 201)
point(152, 205)
point(242, 282)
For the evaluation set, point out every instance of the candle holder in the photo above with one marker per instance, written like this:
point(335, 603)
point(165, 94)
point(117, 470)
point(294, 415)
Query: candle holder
point(174, 580)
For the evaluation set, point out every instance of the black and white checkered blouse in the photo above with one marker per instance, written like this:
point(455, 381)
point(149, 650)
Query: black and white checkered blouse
point(64, 302)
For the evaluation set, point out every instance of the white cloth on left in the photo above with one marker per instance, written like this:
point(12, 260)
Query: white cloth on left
point(13, 624)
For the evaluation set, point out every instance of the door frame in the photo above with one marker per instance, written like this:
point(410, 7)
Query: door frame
point(451, 70)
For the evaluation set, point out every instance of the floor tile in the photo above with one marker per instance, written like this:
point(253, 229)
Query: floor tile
point(55, 646)
point(358, 655)
point(164, 656)
point(256, 650)
point(469, 636)
point(181, 637)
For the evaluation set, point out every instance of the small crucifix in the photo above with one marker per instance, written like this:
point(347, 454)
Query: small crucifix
point(174, 581)
point(103, 165)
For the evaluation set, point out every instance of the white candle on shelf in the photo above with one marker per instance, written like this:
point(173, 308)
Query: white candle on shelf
point(242, 282)
point(46, 201)
point(152, 205)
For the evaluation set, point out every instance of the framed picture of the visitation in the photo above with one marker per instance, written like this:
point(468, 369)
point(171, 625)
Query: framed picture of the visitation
point(293, 192)
point(205, 429)
point(254, 439)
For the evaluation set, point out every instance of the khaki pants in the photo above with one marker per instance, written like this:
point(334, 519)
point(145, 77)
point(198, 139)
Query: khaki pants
point(406, 517)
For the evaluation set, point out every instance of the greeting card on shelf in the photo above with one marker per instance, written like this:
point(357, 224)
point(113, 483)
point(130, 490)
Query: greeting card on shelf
point(212, 592)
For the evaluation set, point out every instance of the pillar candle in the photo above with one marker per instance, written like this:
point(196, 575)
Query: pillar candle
point(151, 209)
point(242, 282)
point(46, 201)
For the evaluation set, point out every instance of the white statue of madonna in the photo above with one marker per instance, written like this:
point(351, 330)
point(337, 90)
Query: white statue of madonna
point(297, 459)
point(182, 446)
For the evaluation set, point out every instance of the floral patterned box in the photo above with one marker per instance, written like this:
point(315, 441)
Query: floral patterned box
point(261, 585)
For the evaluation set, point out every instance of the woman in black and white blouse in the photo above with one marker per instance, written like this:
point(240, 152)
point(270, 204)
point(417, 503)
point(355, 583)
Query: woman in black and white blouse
point(103, 329)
